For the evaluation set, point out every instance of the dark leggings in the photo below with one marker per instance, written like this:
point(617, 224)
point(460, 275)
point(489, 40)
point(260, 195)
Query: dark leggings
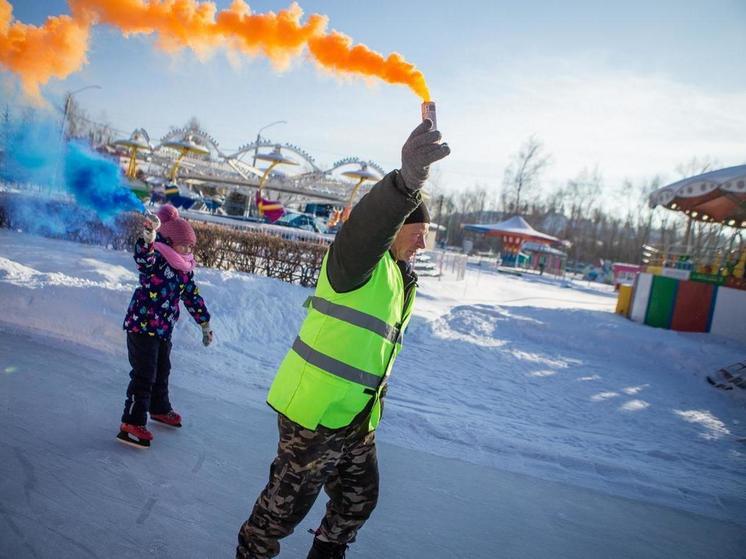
point(150, 358)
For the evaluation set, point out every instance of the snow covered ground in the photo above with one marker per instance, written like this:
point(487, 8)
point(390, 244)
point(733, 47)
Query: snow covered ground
point(524, 419)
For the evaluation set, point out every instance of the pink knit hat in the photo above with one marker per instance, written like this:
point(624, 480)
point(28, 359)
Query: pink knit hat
point(174, 228)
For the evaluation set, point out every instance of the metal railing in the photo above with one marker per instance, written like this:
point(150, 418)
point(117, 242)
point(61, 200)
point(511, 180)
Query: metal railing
point(442, 264)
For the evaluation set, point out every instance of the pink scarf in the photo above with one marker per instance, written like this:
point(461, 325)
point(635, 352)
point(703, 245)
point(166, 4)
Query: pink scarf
point(181, 262)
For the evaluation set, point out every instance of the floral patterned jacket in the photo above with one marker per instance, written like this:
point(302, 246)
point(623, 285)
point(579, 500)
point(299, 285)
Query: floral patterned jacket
point(154, 308)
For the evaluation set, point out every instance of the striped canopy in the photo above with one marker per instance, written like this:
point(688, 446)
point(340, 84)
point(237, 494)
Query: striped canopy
point(717, 196)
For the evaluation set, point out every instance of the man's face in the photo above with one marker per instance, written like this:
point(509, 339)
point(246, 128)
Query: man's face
point(411, 237)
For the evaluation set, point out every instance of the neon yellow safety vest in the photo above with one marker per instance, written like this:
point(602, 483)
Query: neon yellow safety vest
point(344, 351)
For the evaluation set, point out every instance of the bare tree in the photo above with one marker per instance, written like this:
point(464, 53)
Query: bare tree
point(695, 238)
point(696, 166)
point(524, 172)
point(580, 198)
point(645, 214)
point(580, 212)
point(581, 195)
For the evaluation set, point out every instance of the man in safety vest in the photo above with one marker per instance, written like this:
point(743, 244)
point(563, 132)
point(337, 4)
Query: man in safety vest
point(328, 390)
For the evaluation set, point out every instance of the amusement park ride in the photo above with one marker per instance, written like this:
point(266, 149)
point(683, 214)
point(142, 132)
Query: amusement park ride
point(138, 140)
point(188, 169)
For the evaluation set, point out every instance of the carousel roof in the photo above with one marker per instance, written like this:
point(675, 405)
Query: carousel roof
point(188, 145)
point(138, 139)
point(717, 196)
point(516, 226)
point(362, 172)
point(276, 156)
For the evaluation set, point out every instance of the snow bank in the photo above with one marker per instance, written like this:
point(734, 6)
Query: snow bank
point(520, 374)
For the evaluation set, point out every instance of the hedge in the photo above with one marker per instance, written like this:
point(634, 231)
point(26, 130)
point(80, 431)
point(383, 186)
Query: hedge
point(217, 246)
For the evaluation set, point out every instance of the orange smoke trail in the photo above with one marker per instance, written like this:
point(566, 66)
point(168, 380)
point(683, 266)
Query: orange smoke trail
point(36, 54)
point(200, 27)
point(335, 51)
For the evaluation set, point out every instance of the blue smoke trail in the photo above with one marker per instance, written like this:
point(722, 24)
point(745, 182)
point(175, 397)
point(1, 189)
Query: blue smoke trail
point(33, 154)
point(96, 183)
point(36, 155)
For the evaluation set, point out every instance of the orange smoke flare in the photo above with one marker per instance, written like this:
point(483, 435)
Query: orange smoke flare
point(36, 54)
point(199, 26)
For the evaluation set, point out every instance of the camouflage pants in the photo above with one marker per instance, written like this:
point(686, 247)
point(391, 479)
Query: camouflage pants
point(343, 461)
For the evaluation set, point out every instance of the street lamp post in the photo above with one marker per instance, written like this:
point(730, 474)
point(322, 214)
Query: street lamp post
point(259, 137)
point(68, 102)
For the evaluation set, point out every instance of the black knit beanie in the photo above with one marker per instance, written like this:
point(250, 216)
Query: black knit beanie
point(419, 215)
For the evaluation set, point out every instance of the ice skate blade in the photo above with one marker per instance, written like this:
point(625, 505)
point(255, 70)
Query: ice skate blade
point(166, 424)
point(124, 437)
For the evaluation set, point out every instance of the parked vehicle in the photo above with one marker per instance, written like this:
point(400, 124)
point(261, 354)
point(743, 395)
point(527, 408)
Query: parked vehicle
point(304, 221)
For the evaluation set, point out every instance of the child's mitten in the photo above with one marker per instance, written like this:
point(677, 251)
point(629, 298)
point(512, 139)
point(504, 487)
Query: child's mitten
point(206, 333)
point(149, 227)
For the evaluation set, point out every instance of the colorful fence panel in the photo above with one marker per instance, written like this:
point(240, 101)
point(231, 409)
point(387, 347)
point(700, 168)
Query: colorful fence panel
point(729, 316)
point(624, 301)
point(661, 303)
point(694, 302)
point(641, 297)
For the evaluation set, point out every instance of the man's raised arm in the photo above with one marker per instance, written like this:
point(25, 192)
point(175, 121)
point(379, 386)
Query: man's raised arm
point(376, 219)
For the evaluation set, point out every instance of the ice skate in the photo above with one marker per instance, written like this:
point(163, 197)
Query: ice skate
point(172, 419)
point(135, 435)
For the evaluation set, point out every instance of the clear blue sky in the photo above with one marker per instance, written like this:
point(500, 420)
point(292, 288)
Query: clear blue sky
point(634, 87)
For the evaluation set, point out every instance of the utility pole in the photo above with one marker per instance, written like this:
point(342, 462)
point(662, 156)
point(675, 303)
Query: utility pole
point(68, 103)
point(6, 138)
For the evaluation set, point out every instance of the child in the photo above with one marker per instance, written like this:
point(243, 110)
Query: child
point(166, 267)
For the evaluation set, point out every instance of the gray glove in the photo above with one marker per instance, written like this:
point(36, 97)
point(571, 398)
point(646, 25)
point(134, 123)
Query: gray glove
point(151, 225)
point(420, 150)
point(206, 333)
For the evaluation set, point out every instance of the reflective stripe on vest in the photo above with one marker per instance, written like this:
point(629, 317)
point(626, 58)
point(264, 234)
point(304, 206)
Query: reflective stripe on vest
point(333, 366)
point(355, 317)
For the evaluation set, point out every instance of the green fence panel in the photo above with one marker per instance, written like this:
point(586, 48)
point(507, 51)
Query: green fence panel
point(661, 303)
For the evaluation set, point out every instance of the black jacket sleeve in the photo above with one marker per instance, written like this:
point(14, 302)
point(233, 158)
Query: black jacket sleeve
point(369, 232)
